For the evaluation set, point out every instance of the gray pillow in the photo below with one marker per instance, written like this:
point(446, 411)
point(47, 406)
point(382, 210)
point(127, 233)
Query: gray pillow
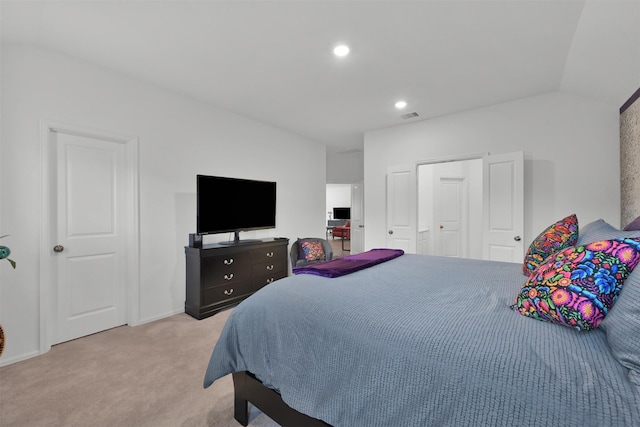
point(601, 230)
point(622, 326)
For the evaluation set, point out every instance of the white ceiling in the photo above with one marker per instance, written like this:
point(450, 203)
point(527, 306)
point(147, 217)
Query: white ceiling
point(272, 60)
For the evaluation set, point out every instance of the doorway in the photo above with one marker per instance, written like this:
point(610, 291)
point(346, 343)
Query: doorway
point(448, 194)
point(501, 213)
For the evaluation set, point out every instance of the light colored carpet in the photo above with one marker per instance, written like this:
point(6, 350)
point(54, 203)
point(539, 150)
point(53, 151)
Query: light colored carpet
point(336, 244)
point(148, 375)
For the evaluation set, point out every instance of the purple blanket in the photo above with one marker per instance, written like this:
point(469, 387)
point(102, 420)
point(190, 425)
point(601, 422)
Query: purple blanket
point(350, 264)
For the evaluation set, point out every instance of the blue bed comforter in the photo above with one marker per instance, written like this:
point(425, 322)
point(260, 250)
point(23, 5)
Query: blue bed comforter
point(422, 341)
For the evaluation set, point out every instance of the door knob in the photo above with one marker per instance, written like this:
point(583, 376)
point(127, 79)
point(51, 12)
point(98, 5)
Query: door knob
point(517, 238)
point(441, 226)
point(361, 226)
point(390, 231)
point(58, 248)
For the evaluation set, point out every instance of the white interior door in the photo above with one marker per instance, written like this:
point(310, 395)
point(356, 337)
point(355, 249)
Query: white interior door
point(90, 207)
point(401, 208)
point(450, 208)
point(451, 213)
point(357, 218)
point(503, 193)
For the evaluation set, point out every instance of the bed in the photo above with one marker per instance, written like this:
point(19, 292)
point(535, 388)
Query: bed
point(428, 341)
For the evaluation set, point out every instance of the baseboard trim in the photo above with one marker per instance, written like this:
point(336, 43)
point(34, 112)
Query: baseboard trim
point(158, 317)
point(4, 361)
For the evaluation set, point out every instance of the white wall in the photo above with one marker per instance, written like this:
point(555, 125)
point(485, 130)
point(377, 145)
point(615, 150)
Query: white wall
point(179, 138)
point(570, 144)
point(338, 196)
point(345, 168)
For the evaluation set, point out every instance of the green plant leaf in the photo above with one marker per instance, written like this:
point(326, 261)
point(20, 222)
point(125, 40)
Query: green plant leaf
point(12, 262)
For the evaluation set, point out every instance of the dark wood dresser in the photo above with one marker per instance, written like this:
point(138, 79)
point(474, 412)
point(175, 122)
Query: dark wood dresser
point(222, 275)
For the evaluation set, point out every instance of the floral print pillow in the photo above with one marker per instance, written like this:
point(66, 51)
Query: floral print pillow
point(555, 238)
point(313, 251)
point(577, 286)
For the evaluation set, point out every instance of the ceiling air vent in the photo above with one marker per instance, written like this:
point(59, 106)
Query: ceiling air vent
point(410, 115)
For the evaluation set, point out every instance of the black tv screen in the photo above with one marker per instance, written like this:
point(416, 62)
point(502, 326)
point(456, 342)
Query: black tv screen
point(341, 213)
point(232, 204)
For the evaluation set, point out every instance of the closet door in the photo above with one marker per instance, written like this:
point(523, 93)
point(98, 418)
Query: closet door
point(401, 208)
point(503, 204)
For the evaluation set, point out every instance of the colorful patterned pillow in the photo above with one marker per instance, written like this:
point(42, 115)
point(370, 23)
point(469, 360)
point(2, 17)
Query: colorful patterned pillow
point(577, 286)
point(313, 251)
point(555, 238)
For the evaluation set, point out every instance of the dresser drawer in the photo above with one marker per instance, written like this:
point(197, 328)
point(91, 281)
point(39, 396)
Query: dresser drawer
point(266, 268)
point(227, 260)
point(268, 279)
point(216, 273)
point(265, 255)
point(219, 294)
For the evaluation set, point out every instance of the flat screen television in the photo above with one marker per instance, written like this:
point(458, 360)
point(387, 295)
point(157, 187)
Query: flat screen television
point(234, 205)
point(341, 213)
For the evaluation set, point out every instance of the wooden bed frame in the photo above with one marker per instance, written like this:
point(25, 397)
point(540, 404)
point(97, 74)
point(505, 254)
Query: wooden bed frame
point(248, 389)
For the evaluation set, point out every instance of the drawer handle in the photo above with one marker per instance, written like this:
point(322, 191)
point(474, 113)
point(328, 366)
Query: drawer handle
point(228, 261)
point(228, 276)
point(270, 254)
point(228, 291)
point(270, 280)
point(270, 267)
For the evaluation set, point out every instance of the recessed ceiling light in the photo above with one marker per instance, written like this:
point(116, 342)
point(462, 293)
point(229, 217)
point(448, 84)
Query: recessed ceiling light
point(341, 50)
point(401, 104)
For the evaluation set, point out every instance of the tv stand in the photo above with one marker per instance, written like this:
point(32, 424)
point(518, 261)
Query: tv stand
point(221, 275)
